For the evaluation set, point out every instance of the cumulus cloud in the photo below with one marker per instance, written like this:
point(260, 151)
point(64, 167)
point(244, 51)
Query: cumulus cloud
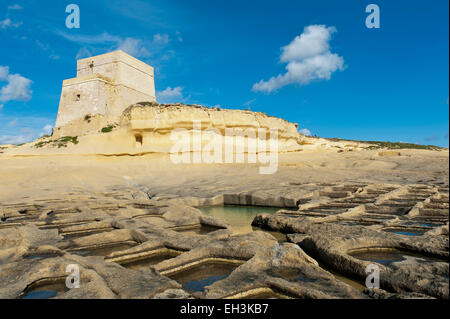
point(169, 94)
point(305, 132)
point(17, 87)
point(4, 71)
point(134, 47)
point(308, 58)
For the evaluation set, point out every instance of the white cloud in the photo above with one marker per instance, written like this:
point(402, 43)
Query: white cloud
point(7, 23)
point(161, 38)
point(4, 71)
point(313, 41)
point(169, 94)
point(305, 131)
point(14, 139)
point(1, 106)
point(17, 88)
point(26, 135)
point(15, 7)
point(134, 47)
point(308, 58)
point(27, 128)
point(47, 130)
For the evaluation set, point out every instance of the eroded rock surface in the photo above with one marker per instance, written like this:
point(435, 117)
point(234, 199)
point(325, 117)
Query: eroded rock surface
point(157, 247)
point(132, 226)
point(403, 229)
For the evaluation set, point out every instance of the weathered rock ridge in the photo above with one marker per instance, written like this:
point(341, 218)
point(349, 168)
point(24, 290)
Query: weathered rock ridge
point(150, 127)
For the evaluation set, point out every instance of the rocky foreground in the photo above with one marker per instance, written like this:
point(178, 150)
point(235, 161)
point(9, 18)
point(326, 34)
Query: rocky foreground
point(132, 227)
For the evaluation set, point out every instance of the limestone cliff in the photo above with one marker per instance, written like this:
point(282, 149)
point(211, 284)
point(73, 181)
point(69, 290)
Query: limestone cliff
point(148, 127)
point(155, 123)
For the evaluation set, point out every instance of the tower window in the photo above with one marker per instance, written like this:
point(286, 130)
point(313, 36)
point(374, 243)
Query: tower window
point(78, 97)
point(138, 138)
point(91, 68)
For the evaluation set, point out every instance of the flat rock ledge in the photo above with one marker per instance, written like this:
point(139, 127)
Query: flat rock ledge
point(331, 226)
point(410, 220)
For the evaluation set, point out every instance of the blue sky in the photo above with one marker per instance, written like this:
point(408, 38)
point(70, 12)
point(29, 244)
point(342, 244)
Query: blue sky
point(344, 80)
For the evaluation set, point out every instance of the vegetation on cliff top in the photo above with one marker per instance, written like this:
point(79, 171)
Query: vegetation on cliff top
point(393, 145)
point(400, 145)
point(108, 128)
point(61, 142)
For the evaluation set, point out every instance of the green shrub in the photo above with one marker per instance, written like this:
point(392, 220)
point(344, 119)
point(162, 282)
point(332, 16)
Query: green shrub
point(108, 129)
point(390, 145)
point(41, 143)
point(400, 145)
point(61, 142)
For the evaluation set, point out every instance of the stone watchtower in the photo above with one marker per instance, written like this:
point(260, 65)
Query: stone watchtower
point(105, 85)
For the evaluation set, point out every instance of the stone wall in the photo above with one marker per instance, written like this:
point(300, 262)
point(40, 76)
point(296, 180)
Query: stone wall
point(82, 96)
point(105, 85)
point(122, 68)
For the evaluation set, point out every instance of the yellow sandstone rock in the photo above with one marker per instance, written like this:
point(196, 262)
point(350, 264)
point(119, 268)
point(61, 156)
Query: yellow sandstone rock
point(389, 153)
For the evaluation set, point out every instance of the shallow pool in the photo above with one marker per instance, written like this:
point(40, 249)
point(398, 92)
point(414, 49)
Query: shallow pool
point(195, 279)
point(239, 217)
point(45, 289)
point(390, 257)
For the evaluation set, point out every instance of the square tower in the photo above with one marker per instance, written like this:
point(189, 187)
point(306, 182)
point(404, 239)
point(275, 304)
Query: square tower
point(105, 84)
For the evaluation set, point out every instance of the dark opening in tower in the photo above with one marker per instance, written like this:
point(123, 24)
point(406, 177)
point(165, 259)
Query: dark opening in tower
point(138, 138)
